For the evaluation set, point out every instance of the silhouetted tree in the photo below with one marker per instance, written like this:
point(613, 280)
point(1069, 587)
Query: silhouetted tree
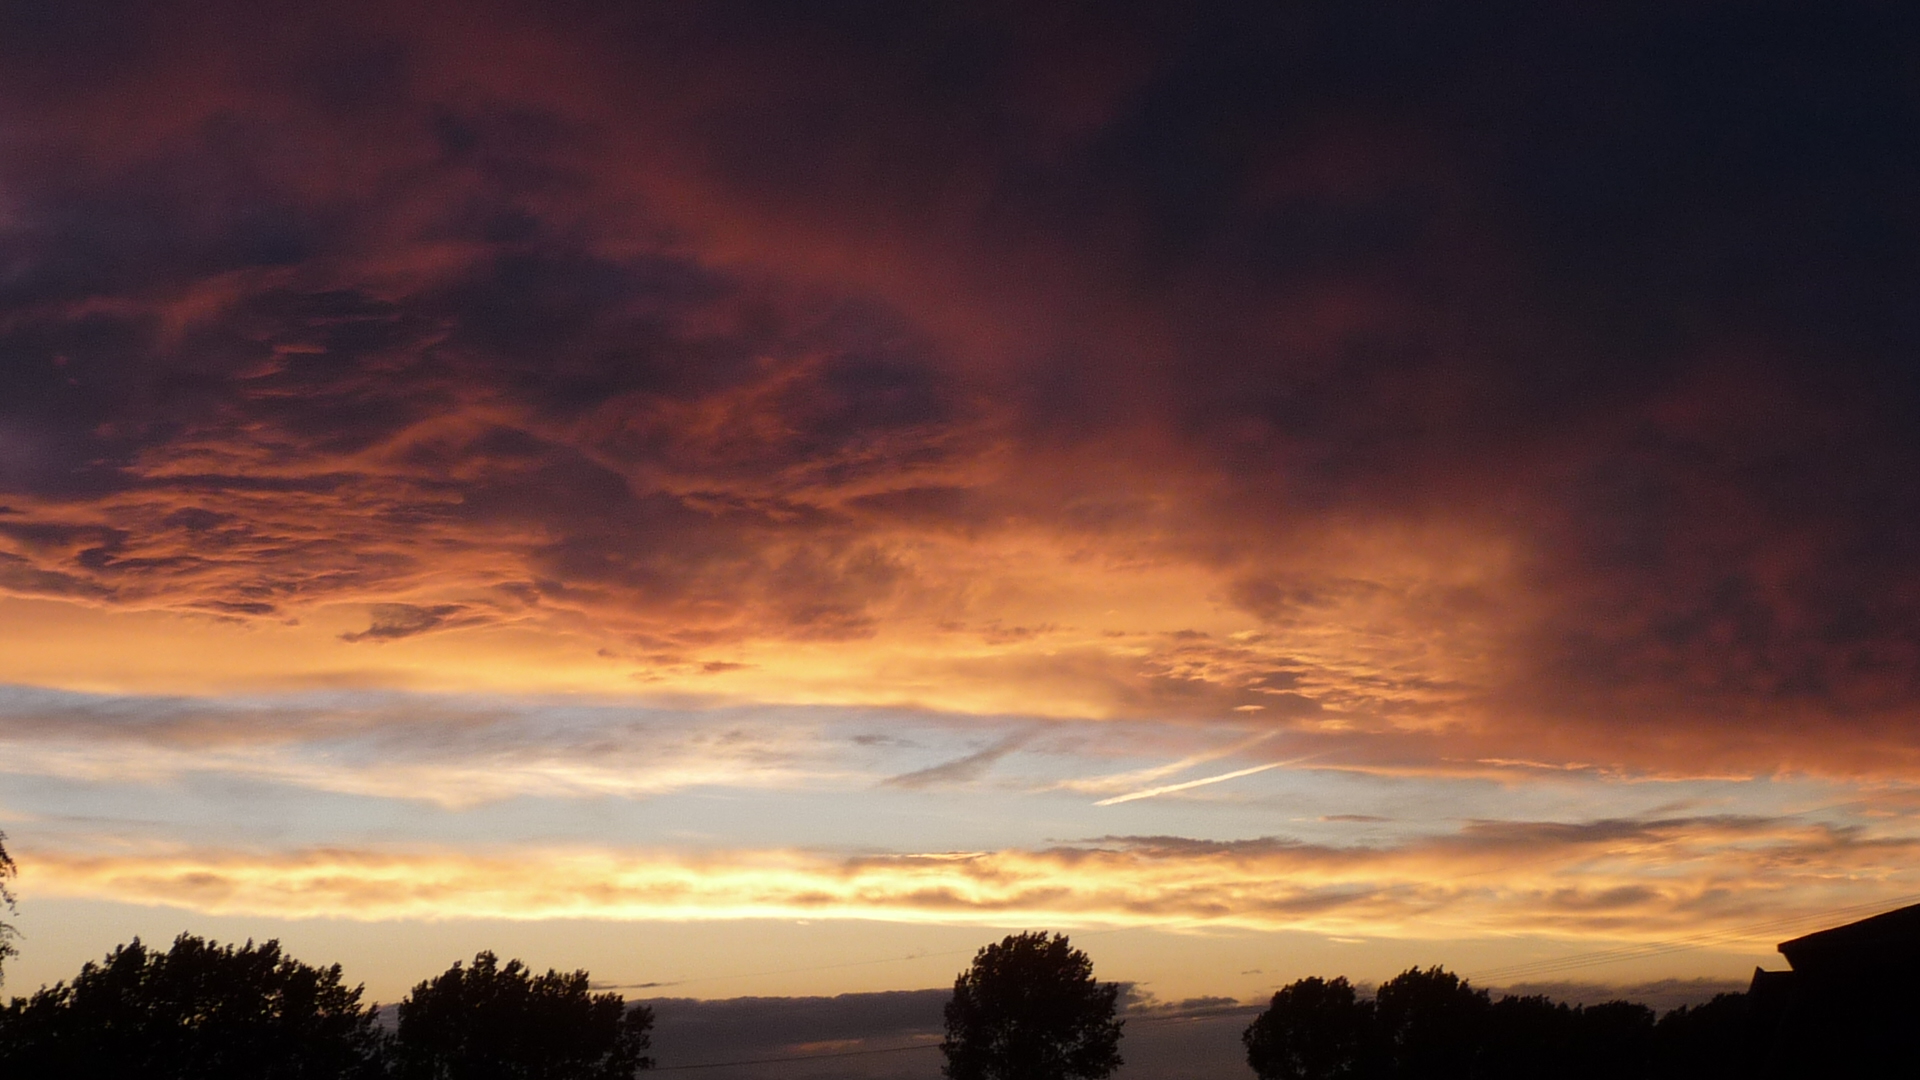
point(199, 1011)
point(1433, 1025)
point(489, 1022)
point(1613, 1041)
point(1029, 1009)
point(1709, 1042)
point(7, 932)
point(1430, 1023)
point(1313, 1030)
point(1528, 1037)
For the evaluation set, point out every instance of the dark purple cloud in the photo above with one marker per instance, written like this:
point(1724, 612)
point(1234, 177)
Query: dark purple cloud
point(679, 317)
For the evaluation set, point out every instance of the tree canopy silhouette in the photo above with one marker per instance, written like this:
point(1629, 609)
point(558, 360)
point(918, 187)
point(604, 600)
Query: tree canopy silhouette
point(1029, 1009)
point(494, 1022)
point(1530, 1035)
point(1717, 1040)
point(1312, 1030)
point(199, 1011)
point(7, 932)
point(1431, 1023)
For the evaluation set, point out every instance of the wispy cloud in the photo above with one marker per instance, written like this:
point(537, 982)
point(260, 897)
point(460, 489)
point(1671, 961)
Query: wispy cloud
point(454, 751)
point(1624, 880)
point(964, 769)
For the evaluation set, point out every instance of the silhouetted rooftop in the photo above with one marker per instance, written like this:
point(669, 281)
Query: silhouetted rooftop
point(1886, 939)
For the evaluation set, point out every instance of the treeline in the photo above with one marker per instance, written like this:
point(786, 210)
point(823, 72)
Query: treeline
point(1432, 1025)
point(1027, 1007)
point(203, 1011)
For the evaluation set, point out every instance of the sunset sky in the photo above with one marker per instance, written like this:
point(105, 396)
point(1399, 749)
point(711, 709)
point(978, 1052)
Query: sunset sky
point(763, 498)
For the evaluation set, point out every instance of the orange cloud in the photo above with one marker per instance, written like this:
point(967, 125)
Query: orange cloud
point(1626, 881)
point(646, 351)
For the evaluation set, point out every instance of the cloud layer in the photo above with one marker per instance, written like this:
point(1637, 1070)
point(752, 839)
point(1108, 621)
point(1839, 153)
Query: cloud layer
point(1529, 373)
point(1730, 882)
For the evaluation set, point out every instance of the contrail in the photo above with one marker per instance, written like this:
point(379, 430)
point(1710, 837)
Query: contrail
point(1155, 772)
point(1202, 782)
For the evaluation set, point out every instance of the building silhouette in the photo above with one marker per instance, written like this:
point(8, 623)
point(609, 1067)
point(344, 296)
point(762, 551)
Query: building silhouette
point(1850, 1003)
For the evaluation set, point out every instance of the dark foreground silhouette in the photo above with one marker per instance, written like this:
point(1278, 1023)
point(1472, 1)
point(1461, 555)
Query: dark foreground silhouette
point(1433, 1025)
point(203, 1011)
point(1848, 1007)
point(494, 1021)
point(197, 1010)
point(1028, 1008)
point(7, 870)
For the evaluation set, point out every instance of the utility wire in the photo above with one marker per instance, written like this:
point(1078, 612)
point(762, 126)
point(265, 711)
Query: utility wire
point(1731, 934)
point(1574, 961)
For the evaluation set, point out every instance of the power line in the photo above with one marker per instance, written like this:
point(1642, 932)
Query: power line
point(1575, 961)
point(1655, 948)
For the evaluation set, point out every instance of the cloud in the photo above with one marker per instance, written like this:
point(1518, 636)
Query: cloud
point(712, 337)
point(391, 621)
point(688, 1032)
point(456, 752)
point(1728, 883)
point(1660, 995)
point(736, 1028)
point(964, 769)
